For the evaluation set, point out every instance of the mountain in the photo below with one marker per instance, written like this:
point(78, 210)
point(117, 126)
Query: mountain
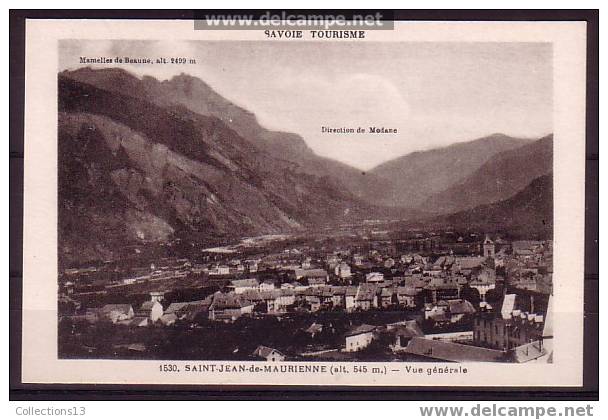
point(417, 176)
point(198, 97)
point(142, 160)
point(406, 181)
point(501, 177)
point(132, 170)
point(527, 214)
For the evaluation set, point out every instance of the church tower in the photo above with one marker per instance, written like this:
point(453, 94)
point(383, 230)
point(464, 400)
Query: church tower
point(488, 247)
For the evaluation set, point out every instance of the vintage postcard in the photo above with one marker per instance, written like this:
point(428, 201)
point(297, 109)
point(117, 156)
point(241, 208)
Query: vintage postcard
point(395, 206)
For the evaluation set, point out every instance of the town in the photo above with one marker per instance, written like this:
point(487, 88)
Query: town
point(366, 295)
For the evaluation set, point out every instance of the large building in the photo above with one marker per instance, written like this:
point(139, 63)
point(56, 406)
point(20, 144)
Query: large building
point(509, 328)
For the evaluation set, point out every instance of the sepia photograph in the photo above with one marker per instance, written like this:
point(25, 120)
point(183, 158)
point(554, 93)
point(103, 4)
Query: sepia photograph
point(250, 200)
point(373, 207)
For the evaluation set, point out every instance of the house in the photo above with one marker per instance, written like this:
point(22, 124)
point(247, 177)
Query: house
point(448, 311)
point(359, 338)
point(251, 266)
point(228, 307)
point(316, 277)
point(343, 271)
point(452, 352)
point(219, 270)
point(150, 309)
point(403, 332)
point(332, 261)
point(315, 282)
point(319, 276)
point(484, 281)
point(117, 312)
point(277, 300)
point(510, 327)
point(542, 283)
point(338, 298)
point(313, 303)
point(389, 263)
point(459, 309)
point(252, 295)
point(416, 281)
point(239, 286)
point(314, 329)
point(366, 297)
point(268, 354)
point(443, 287)
point(350, 295)
point(176, 308)
point(490, 330)
point(385, 297)
point(406, 296)
point(306, 264)
point(270, 300)
point(266, 285)
point(406, 259)
point(187, 310)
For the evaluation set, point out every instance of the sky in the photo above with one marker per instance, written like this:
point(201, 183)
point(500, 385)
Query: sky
point(434, 94)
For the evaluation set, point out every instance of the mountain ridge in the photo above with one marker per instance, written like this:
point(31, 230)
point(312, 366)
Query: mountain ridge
point(138, 163)
point(500, 177)
point(374, 186)
point(173, 170)
point(423, 173)
point(527, 214)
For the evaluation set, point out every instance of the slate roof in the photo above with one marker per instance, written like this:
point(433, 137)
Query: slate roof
point(271, 294)
point(147, 306)
point(415, 280)
point(229, 301)
point(386, 292)
point(365, 292)
point(168, 318)
point(314, 328)
point(408, 329)
point(124, 308)
point(311, 272)
point(137, 321)
point(252, 295)
point(361, 329)
point(460, 306)
point(187, 307)
point(315, 280)
point(407, 291)
point(263, 351)
point(467, 263)
point(453, 352)
point(244, 283)
point(175, 307)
